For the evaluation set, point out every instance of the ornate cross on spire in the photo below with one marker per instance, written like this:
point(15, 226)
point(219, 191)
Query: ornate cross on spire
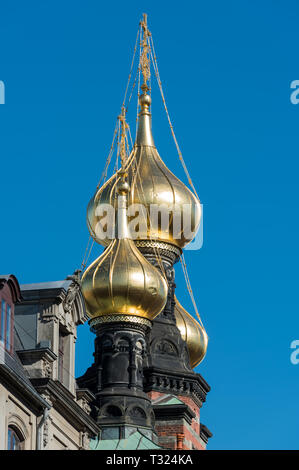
point(145, 59)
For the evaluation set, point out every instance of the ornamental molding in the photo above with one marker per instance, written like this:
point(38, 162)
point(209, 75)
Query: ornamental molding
point(160, 245)
point(119, 318)
point(18, 423)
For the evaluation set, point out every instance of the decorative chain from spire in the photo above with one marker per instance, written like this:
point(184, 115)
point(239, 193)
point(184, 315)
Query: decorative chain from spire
point(145, 54)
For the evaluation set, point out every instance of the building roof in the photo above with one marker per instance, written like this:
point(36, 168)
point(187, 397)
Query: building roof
point(66, 290)
point(168, 400)
point(65, 284)
point(12, 369)
point(136, 441)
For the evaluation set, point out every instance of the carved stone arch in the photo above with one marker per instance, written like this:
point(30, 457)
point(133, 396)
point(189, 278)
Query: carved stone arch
point(18, 425)
point(108, 337)
point(112, 410)
point(73, 302)
point(123, 336)
point(78, 310)
point(164, 346)
point(122, 341)
point(140, 343)
point(152, 418)
point(186, 356)
point(137, 412)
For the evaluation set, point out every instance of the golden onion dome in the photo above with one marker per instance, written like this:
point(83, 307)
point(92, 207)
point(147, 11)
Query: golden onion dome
point(192, 333)
point(154, 186)
point(121, 281)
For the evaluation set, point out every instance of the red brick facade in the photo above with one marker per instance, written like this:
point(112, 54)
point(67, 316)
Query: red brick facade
point(179, 430)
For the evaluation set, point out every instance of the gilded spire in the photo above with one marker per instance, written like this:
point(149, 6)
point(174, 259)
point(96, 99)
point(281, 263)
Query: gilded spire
point(122, 186)
point(144, 132)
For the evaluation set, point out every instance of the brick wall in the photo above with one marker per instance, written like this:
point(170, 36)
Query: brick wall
point(178, 433)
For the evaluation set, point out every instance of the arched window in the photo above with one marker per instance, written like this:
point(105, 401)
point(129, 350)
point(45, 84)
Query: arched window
point(10, 294)
point(14, 440)
point(6, 324)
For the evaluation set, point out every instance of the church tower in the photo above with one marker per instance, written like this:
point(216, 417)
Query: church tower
point(147, 344)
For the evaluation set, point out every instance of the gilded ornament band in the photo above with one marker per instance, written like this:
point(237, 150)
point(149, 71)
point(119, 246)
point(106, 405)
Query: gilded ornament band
point(159, 245)
point(115, 317)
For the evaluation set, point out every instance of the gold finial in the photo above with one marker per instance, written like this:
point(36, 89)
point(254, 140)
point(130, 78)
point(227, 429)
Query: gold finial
point(144, 59)
point(144, 134)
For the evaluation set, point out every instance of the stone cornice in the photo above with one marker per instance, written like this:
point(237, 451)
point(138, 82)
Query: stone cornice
point(55, 296)
point(205, 433)
point(63, 401)
point(21, 389)
point(189, 384)
point(85, 393)
point(36, 354)
point(173, 412)
point(33, 296)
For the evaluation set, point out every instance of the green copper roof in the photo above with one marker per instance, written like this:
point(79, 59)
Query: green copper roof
point(171, 401)
point(136, 441)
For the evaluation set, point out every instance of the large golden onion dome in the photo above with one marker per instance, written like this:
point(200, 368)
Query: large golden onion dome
point(192, 333)
point(151, 183)
point(121, 281)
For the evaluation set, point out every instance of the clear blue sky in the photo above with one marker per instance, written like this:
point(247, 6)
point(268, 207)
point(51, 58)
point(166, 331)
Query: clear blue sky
point(226, 69)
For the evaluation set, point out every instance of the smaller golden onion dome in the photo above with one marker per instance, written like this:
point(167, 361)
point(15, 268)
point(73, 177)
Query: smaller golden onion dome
point(121, 281)
point(192, 333)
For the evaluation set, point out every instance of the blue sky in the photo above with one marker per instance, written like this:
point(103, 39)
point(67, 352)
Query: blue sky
point(226, 69)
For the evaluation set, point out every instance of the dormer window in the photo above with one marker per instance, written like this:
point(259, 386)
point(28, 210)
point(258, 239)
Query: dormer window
point(6, 325)
point(9, 296)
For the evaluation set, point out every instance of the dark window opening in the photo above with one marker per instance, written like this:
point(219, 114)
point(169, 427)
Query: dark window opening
point(110, 433)
point(14, 442)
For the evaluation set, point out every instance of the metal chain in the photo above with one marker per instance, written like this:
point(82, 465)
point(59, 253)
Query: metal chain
point(132, 64)
point(182, 258)
point(111, 151)
point(189, 288)
point(155, 66)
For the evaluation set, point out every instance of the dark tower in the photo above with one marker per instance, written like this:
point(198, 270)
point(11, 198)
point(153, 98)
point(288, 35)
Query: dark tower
point(123, 294)
point(116, 378)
